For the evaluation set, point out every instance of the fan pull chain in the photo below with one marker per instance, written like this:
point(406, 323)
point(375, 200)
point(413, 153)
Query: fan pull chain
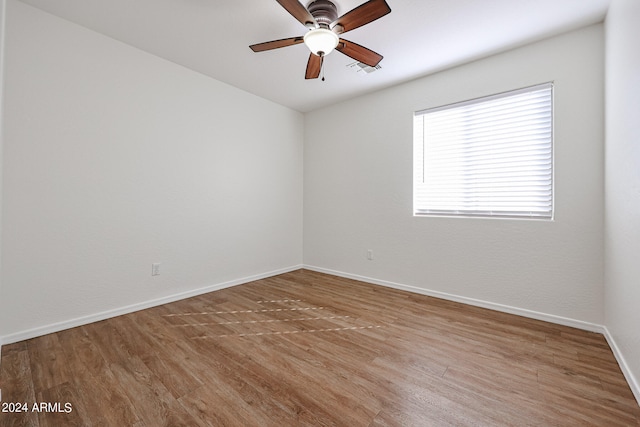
point(322, 69)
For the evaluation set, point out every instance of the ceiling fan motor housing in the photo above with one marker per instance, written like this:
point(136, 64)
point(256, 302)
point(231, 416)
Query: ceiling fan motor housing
point(324, 11)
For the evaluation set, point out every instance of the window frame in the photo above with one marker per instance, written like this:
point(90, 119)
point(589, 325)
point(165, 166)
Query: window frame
point(420, 154)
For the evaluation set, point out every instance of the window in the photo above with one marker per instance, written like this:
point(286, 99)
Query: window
point(490, 156)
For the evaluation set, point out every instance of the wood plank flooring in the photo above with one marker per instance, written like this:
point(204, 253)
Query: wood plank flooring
point(309, 349)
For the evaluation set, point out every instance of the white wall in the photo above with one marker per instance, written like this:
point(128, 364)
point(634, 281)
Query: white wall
point(358, 190)
point(622, 238)
point(115, 159)
point(2, 26)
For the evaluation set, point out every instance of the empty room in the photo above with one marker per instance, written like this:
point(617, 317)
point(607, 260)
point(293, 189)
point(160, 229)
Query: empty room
point(319, 213)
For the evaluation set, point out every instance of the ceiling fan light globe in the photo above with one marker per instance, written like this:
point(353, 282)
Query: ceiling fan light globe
point(321, 41)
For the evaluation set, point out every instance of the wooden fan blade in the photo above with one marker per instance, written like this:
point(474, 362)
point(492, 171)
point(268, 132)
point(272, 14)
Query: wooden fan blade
point(298, 11)
point(275, 44)
point(361, 15)
point(314, 66)
point(359, 53)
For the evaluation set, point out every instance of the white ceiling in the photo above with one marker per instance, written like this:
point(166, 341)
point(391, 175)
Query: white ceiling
point(418, 37)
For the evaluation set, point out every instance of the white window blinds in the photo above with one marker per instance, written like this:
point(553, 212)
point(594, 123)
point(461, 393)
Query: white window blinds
point(491, 156)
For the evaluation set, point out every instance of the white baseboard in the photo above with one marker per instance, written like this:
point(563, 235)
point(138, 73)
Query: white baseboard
point(84, 320)
point(592, 327)
point(626, 371)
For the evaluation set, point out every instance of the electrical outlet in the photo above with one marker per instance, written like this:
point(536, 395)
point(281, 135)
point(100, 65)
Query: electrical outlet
point(370, 254)
point(155, 269)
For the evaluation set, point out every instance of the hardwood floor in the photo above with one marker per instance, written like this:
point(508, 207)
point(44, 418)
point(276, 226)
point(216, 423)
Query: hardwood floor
point(309, 349)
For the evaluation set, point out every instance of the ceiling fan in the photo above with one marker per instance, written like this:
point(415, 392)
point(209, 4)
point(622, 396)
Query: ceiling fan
point(321, 17)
